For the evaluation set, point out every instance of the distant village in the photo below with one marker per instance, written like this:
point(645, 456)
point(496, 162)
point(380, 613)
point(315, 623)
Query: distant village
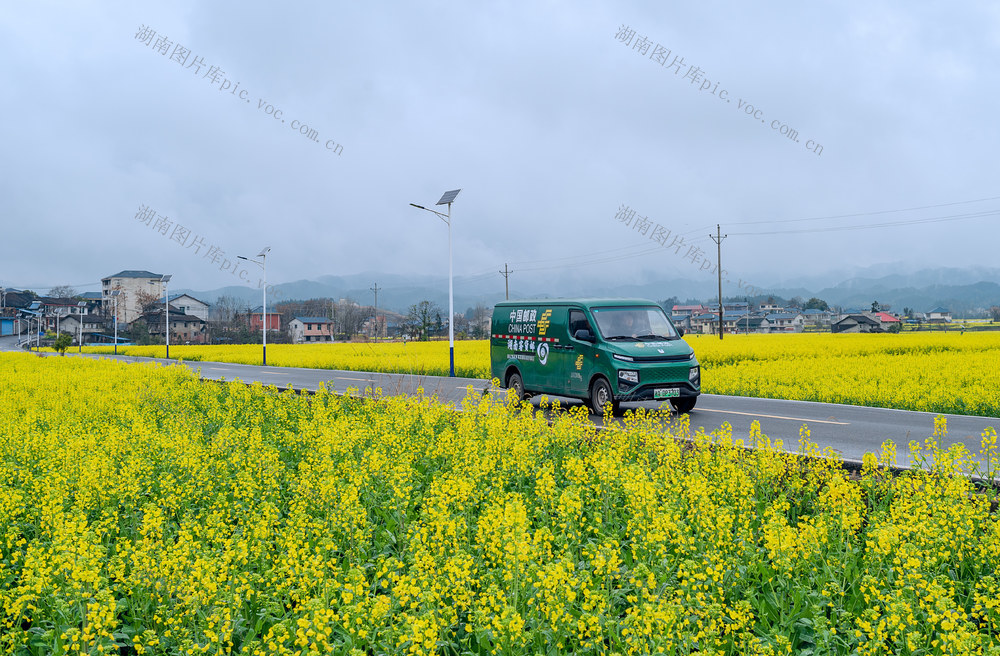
point(769, 317)
point(130, 309)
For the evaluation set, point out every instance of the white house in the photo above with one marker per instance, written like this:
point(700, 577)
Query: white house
point(816, 317)
point(782, 322)
point(92, 323)
point(190, 305)
point(939, 315)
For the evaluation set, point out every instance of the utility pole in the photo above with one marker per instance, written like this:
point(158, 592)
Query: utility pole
point(375, 289)
point(506, 279)
point(717, 238)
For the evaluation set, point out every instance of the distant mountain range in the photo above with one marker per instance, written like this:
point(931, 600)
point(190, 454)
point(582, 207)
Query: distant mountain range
point(960, 290)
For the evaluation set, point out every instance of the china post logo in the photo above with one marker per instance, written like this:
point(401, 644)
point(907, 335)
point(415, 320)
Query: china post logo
point(543, 323)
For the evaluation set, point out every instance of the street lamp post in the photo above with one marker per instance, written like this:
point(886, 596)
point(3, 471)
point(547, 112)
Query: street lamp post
point(116, 293)
point(38, 332)
point(447, 199)
point(166, 303)
point(263, 268)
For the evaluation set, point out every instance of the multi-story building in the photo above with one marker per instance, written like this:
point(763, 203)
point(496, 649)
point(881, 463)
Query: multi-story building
point(135, 287)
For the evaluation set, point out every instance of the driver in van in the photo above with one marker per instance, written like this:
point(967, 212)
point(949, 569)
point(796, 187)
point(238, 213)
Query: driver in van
point(628, 328)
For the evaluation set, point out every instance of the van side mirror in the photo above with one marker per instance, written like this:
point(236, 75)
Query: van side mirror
point(680, 332)
point(584, 335)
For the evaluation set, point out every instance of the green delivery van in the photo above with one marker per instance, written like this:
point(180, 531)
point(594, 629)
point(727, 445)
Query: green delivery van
point(604, 351)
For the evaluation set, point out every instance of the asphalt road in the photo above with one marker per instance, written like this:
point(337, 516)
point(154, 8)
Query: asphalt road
point(850, 431)
point(9, 343)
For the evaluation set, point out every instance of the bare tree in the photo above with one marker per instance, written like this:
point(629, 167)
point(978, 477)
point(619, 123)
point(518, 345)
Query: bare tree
point(62, 291)
point(146, 300)
point(230, 321)
point(421, 317)
point(229, 310)
point(481, 321)
point(995, 312)
point(351, 317)
point(462, 327)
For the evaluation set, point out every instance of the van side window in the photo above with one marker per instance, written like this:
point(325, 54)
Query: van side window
point(578, 321)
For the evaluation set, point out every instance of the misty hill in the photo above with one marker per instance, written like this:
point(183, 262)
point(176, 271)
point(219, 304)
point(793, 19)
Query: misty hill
point(960, 290)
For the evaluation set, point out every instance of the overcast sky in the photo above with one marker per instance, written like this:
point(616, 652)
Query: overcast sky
point(551, 117)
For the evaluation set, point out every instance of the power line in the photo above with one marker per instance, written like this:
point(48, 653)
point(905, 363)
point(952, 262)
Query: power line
point(603, 257)
point(84, 284)
point(850, 216)
point(887, 224)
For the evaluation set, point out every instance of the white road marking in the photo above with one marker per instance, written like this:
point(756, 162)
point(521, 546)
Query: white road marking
point(757, 414)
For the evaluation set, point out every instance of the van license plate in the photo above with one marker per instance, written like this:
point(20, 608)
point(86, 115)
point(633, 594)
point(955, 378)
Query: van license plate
point(666, 393)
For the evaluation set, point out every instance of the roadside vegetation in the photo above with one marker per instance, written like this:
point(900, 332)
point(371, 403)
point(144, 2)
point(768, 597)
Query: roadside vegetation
point(145, 512)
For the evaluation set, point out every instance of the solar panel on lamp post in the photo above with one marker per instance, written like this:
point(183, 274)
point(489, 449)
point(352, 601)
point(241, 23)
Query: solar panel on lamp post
point(447, 199)
point(262, 264)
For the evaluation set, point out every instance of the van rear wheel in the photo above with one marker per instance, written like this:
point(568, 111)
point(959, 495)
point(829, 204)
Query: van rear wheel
point(600, 396)
point(684, 405)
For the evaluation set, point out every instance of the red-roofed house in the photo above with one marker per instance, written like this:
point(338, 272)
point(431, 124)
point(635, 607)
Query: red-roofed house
point(886, 319)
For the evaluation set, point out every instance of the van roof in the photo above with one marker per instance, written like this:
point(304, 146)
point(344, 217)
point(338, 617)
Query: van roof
point(590, 302)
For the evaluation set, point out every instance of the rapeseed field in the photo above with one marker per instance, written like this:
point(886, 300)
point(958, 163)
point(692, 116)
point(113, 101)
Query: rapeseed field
point(950, 373)
point(145, 512)
point(472, 357)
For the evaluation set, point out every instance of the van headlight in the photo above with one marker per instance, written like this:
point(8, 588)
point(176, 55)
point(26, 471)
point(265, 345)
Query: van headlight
point(629, 376)
point(623, 358)
point(694, 376)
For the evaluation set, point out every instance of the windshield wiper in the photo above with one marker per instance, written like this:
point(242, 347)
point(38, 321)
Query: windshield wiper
point(621, 337)
point(652, 337)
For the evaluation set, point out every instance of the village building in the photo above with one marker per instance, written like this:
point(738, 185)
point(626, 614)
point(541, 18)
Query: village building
point(310, 329)
point(856, 323)
point(134, 286)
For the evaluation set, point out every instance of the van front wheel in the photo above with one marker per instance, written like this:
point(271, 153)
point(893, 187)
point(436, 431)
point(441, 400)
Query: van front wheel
point(684, 404)
point(600, 396)
point(515, 383)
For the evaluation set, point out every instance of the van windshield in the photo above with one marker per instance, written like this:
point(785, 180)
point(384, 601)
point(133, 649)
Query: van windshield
point(634, 323)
